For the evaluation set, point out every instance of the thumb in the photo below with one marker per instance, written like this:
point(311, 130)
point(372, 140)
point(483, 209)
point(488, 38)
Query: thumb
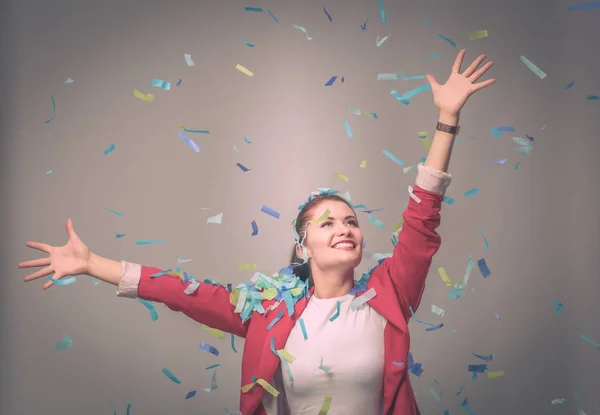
point(70, 230)
point(432, 81)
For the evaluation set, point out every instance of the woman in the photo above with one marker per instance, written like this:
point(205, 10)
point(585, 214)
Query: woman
point(319, 339)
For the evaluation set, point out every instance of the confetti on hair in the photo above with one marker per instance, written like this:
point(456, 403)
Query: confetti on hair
point(321, 218)
point(64, 344)
point(269, 211)
point(244, 70)
point(533, 68)
point(53, 111)
point(478, 34)
point(142, 96)
point(170, 375)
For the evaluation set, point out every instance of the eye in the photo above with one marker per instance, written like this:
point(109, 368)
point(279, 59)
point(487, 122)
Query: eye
point(326, 223)
point(352, 222)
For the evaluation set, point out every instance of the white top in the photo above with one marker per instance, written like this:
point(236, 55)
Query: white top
point(352, 349)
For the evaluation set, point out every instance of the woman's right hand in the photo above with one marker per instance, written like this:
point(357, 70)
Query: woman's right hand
point(70, 259)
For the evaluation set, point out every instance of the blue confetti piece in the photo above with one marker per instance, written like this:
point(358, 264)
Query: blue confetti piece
point(151, 308)
point(64, 344)
point(593, 97)
point(159, 83)
point(495, 132)
point(331, 81)
point(416, 91)
point(212, 366)
point(128, 409)
point(328, 15)
point(273, 16)
point(410, 78)
point(507, 128)
point(196, 131)
point(120, 235)
point(250, 45)
point(485, 271)
point(63, 281)
point(517, 165)
point(253, 9)
point(392, 157)
point(382, 11)
point(485, 242)
point(399, 97)
point(275, 320)
point(427, 21)
point(247, 141)
point(233, 344)
point(465, 405)
point(190, 394)
point(273, 346)
point(304, 334)
point(477, 368)
point(254, 228)
point(149, 241)
point(115, 212)
point(364, 25)
point(375, 221)
point(584, 6)
point(178, 82)
point(456, 293)
point(168, 374)
point(472, 192)
point(448, 200)
point(338, 304)
point(530, 138)
point(435, 55)
point(416, 369)
point(399, 364)
point(53, 111)
point(559, 307)
point(589, 340)
point(209, 348)
point(269, 211)
point(189, 142)
point(486, 358)
point(242, 167)
point(348, 130)
point(448, 40)
point(462, 388)
point(109, 149)
point(439, 326)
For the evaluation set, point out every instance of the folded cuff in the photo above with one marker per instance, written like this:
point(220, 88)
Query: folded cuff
point(432, 180)
point(130, 280)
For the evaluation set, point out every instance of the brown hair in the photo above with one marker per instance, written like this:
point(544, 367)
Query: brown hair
point(301, 270)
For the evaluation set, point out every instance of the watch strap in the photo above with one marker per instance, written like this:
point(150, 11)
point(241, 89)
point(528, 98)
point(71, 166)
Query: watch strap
point(451, 129)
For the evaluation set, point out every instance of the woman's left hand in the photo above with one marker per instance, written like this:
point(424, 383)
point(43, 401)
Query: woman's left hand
point(451, 96)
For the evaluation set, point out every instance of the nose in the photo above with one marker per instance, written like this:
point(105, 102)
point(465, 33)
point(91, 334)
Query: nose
point(343, 230)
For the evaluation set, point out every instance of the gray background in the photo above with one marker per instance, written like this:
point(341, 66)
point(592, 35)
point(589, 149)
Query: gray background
point(541, 221)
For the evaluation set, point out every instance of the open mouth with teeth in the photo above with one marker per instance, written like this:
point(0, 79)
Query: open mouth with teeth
point(344, 246)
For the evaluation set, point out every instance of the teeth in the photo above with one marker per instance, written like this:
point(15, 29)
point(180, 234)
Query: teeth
point(344, 245)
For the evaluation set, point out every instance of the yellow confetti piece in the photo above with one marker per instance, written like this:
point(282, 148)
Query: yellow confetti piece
point(444, 276)
point(243, 70)
point(247, 267)
point(217, 333)
point(321, 218)
point(478, 34)
point(496, 374)
point(269, 293)
point(247, 387)
point(142, 96)
point(295, 291)
point(264, 384)
point(424, 136)
point(176, 274)
point(363, 164)
point(285, 355)
point(326, 405)
point(341, 176)
point(234, 295)
point(398, 225)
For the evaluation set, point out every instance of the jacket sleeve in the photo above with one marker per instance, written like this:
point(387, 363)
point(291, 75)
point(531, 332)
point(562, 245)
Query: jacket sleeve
point(418, 240)
point(209, 304)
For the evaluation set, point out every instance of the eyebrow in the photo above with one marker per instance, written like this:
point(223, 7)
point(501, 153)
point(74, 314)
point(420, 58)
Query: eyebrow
point(346, 218)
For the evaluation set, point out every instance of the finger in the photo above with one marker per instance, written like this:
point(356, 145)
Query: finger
point(38, 274)
point(38, 245)
point(458, 61)
point(34, 263)
point(432, 81)
point(47, 285)
point(70, 229)
point(479, 85)
point(469, 71)
point(477, 74)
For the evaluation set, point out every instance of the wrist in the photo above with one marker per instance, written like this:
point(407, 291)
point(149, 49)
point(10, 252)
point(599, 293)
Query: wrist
point(450, 119)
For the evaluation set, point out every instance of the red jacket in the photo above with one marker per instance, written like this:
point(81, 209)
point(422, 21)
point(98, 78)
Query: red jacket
point(399, 282)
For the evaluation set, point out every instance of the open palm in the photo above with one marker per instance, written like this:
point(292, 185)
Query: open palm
point(66, 260)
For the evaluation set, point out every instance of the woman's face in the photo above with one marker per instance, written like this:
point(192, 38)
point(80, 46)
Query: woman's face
point(336, 242)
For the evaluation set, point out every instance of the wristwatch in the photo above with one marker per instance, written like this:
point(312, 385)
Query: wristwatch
point(451, 129)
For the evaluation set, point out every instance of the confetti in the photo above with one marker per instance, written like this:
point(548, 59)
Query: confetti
point(149, 241)
point(485, 242)
point(364, 25)
point(305, 31)
point(189, 142)
point(323, 368)
point(159, 83)
point(53, 111)
point(435, 55)
point(482, 357)
point(437, 310)
point(389, 76)
point(168, 374)
point(495, 374)
point(375, 221)
point(471, 192)
point(247, 267)
point(359, 301)
point(445, 277)
point(328, 15)
point(453, 43)
point(213, 383)
point(233, 344)
point(348, 130)
point(109, 149)
point(242, 167)
point(533, 68)
point(190, 395)
point(337, 312)
point(64, 344)
point(142, 96)
point(269, 211)
point(331, 81)
point(325, 406)
point(570, 85)
point(215, 219)
point(243, 70)
point(589, 341)
point(303, 328)
point(285, 355)
point(382, 12)
point(266, 385)
point(253, 9)
point(254, 228)
point(379, 42)
point(209, 348)
point(273, 16)
point(559, 307)
point(341, 176)
point(584, 6)
point(62, 281)
point(363, 164)
point(69, 81)
point(151, 308)
point(213, 332)
point(393, 157)
point(478, 34)
point(485, 271)
point(188, 59)
point(558, 401)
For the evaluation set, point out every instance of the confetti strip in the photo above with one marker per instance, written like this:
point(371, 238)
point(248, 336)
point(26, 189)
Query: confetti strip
point(247, 267)
point(533, 68)
point(213, 332)
point(341, 176)
point(188, 59)
point(327, 14)
point(559, 307)
point(445, 277)
point(325, 406)
point(109, 149)
point(495, 374)
point(253, 9)
point(159, 83)
point(151, 308)
point(453, 43)
point(215, 219)
point(478, 34)
point(149, 241)
point(168, 374)
point(331, 81)
point(53, 111)
point(303, 328)
point(305, 32)
point(393, 157)
point(269, 211)
point(485, 271)
point(359, 301)
point(142, 96)
point(589, 340)
point(209, 348)
point(323, 368)
point(364, 25)
point(254, 228)
point(190, 143)
point(382, 12)
point(471, 192)
point(62, 281)
point(244, 70)
point(375, 221)
point(379, 42)
point(69, 81)
point(190, 394)
point(348, 130)
point(273, 16)
point(584, 6)
point(64, 344)
point(213, 383)
point(233, 343)
point(337, 312)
